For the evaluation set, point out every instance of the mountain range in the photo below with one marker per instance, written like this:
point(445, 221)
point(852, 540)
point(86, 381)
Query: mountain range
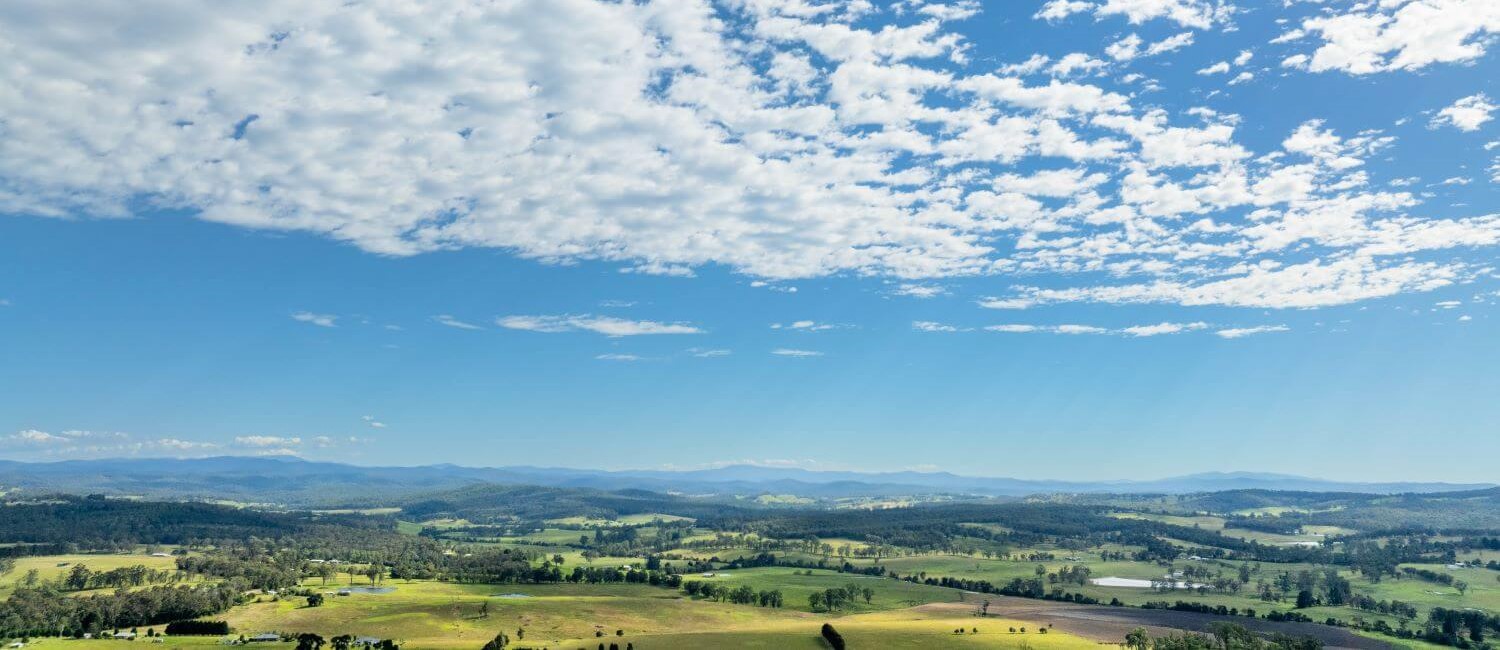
point(297, 482)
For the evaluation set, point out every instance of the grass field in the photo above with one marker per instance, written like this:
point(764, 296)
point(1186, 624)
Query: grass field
point(52, 567)
point(796, 586)
point(624, 520)
point(680, 625)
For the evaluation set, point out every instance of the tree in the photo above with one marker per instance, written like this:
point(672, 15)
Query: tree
point(1305, 599)
point(342, 642)
point(497, 643)
point(315, 600)
point(309, 641)
point(835, 640)
point(1138, 639)
point(484, 609)
point(1461, 586)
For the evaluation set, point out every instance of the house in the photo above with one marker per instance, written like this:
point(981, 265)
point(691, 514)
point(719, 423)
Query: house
point(158, 554)
point(127, 636)
point(16, 644)
point(366, 640)
point(265, 637)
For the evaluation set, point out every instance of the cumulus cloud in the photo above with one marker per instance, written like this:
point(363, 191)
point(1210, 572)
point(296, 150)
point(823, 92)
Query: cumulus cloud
point(1466, 114)
point(1374, 37)
point(606, 325)
point(1189, 13)
point(97, 444)
point(777, 140)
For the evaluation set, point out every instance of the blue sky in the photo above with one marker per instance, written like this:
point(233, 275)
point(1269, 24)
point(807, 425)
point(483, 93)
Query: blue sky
point(1087, 239)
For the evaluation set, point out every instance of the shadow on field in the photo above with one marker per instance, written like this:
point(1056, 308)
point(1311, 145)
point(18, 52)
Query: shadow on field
point(1111, 624)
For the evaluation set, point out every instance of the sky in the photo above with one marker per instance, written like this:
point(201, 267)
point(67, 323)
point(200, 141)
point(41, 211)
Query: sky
point(1084, 239)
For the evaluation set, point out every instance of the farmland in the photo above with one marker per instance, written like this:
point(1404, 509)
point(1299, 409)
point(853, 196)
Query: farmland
point(899, 577)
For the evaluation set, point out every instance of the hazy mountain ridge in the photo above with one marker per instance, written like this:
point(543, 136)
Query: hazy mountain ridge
point(300, 482)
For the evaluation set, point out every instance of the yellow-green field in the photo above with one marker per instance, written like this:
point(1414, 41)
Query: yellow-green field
point(440, 616)
point(52, 567)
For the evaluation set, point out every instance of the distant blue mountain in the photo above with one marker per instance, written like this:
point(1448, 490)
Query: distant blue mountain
point(293, 481)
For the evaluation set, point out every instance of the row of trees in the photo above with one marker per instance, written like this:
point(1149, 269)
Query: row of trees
point(741, 595)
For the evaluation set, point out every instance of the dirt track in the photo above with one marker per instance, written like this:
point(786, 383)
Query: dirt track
point(1110, 624)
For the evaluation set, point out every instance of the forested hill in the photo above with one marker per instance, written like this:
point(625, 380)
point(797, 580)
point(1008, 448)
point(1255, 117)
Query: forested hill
point(1457, 510)
point(488, 502)
point(94, 522)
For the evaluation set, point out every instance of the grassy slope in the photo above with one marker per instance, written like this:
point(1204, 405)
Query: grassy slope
point(48, 569)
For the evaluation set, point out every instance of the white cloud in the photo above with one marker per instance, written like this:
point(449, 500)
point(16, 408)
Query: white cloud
point(1217, 68)
point(96, 444)
point(920, 290)
point(1071, 329)
point(709, 353)
point(606, 325)
point(1241, 332)
point(804, 325)
point(321, 320)
point(778, 140)
point(761, 284)
point(176, 444)
point(1188, 13)
point(371, 422)
point(1013, 329)
point(791, 352)
point(1311, 284)
point(445, 319)
point(1466, 114)
point(1079, 329)
point(267, 441)
point(617, 357)
point(1399, 35)
point(932, 326)
point(1007, 303)
point(1163, 328)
